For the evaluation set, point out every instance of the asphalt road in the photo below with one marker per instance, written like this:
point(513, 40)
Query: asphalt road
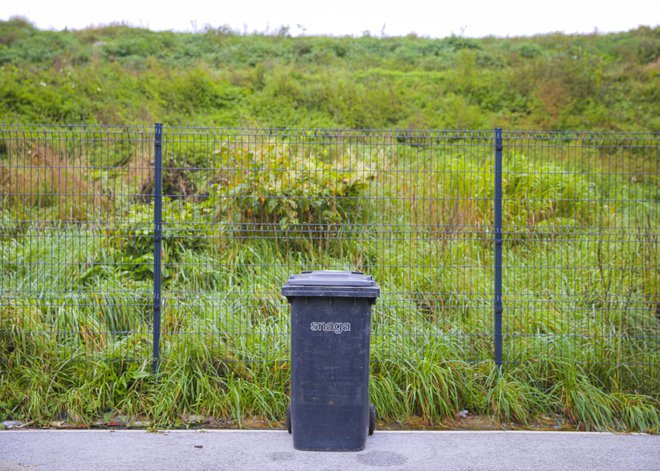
point(273, 450)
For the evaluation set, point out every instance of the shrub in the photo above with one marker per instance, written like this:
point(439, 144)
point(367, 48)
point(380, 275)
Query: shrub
point(184, 228)
point(538, 196)
point(286, 190)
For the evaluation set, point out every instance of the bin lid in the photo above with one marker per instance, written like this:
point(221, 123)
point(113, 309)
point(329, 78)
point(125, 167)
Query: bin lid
point(331, 283)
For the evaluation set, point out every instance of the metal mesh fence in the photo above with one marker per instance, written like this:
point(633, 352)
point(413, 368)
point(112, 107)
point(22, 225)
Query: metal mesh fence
point(73, 281)
point(245, 208)
point(581, 218)
point(242, 209)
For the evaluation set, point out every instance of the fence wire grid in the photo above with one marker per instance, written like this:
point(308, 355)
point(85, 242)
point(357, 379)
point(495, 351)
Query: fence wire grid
point(242, 209)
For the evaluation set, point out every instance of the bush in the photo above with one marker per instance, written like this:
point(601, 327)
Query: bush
point(184, 228)
point(286, 190)
point(538, 196)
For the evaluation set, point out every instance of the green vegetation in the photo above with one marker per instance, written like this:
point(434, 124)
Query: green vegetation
point(243, 211)
point(118, 74)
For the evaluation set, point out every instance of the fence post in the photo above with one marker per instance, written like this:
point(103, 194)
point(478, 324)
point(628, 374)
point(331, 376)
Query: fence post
point(498, 240)
point(158, 241)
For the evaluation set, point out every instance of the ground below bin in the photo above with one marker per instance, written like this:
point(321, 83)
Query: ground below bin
point(273, 450)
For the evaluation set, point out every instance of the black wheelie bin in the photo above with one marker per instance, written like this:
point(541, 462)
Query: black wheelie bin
point(330, 336)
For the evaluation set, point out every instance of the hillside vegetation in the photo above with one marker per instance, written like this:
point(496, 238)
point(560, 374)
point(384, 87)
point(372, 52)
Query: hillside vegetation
point(244, 208)
point(119, 74)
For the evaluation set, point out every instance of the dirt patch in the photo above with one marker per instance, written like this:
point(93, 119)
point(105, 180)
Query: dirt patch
point(478, 422)
point(469, 422)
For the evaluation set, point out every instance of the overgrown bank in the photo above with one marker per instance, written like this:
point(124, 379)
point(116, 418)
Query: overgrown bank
point(243, 210)
point(120, 75)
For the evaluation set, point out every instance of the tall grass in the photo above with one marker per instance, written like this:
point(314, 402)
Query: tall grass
point(48, 178)
point(580, 286)
point(119, 75)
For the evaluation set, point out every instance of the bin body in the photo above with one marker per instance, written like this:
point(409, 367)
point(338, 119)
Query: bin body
point(330, 338)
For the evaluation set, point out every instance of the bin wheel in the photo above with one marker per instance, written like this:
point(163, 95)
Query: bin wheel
point(372, 419)
point(288, 419)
